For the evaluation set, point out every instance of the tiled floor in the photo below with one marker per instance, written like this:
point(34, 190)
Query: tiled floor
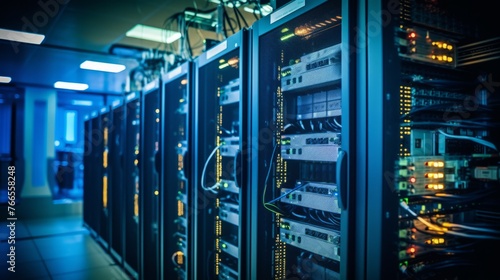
point(59, 248)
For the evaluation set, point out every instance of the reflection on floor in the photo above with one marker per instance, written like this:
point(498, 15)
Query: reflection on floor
point(58, 248)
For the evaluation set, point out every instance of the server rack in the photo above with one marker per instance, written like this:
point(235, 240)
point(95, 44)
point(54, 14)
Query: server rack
point(150, 177)
point(219, 179)
point(132, 182)
point(116, 137)
point(94, 182)
point(434, 207)
point(176, 207)
point(88, 180)
point(105, 126)
point(302, 120)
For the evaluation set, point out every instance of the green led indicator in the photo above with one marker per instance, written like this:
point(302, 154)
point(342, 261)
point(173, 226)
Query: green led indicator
point(285, 226)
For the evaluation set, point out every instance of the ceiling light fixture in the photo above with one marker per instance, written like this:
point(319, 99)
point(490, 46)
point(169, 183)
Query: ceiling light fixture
point(23, 37)
point(71, 86)
point(82, 102)
point(5, 80)
point(102, 66)
point(151, 33)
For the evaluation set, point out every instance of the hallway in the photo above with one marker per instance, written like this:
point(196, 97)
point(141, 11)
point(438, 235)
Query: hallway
point(56, 248)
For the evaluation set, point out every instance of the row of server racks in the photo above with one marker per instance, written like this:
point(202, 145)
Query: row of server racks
point(331, 140)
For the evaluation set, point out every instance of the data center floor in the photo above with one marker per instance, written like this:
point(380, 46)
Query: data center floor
point(57, 248)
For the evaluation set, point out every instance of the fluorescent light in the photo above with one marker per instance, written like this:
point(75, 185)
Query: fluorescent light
point(72, 86)
point(23, 37)
point(102, 66)
point(4, 79)
point(82, 102)
point(153, 34)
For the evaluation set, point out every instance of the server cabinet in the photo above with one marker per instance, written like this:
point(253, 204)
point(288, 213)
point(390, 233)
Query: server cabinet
point(433, 135)
point(88, 176)
point(94, 186)
point(116, 146)
point(132, 182)
point(150, 182)
point(176, 206)
point(219, 139)
point(105, 125)
point(301, 135)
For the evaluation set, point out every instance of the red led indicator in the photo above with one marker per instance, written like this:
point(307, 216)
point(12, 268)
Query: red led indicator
point(413, 35)
point(413, 180)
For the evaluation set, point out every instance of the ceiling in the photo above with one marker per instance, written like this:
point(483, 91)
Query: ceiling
point(79, 30)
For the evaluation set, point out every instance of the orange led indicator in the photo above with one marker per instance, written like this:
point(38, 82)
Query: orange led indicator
point(411, 250)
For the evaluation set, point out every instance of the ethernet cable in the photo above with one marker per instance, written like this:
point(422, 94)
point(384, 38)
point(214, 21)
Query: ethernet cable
point(453, 225)
point(267, 205)
point(444, 230)
point(337, 123)
point(216, 185)
point(474, 139)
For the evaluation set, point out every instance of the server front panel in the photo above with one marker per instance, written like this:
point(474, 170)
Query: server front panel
point(176, 205)
point(116, 137)
point(447, 176)
point(218, 145)
point(150, 182)
point(104, 227)
point(297, 110)
point(131, 180)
